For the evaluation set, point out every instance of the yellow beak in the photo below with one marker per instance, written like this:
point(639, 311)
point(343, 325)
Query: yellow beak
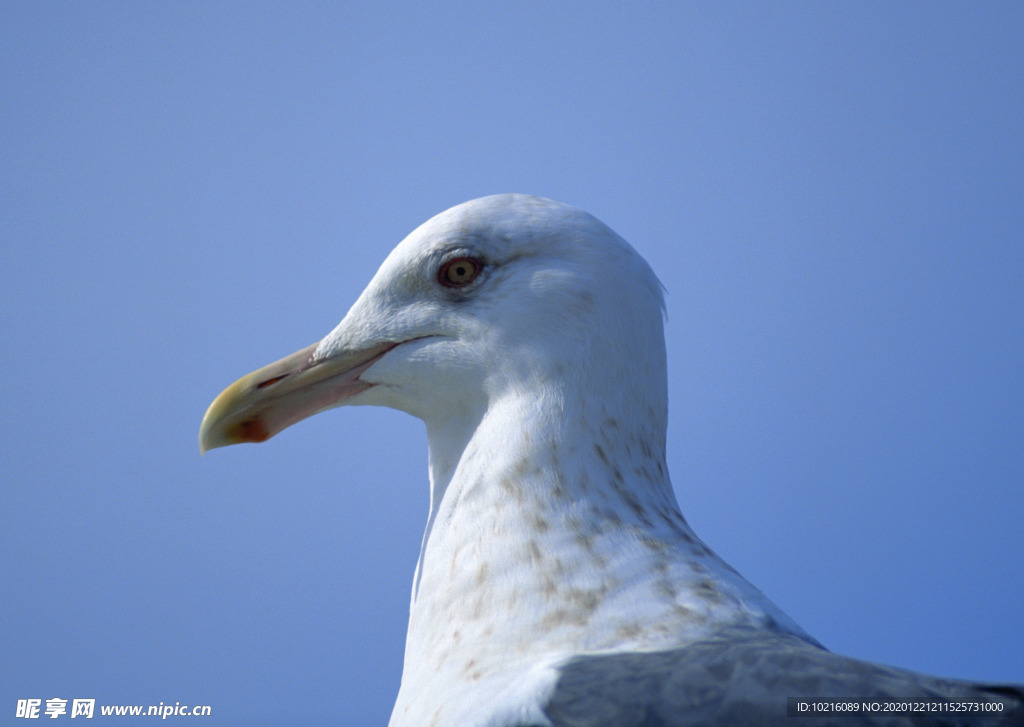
point(258, 406)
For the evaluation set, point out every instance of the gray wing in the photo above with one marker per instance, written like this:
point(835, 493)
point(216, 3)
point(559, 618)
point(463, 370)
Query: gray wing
point(744, 677)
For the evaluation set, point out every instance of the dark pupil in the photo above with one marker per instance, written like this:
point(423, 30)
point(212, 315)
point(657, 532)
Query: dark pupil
point(460, 271)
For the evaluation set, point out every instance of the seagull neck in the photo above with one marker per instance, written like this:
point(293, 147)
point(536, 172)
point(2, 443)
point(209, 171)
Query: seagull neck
point(549, 467)
point(555, 445)
point(553, 530)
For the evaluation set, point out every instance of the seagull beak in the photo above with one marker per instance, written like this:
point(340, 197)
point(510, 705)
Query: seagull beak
point(258, 406)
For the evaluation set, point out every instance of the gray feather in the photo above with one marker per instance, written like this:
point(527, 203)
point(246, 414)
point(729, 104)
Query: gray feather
point(744, 676)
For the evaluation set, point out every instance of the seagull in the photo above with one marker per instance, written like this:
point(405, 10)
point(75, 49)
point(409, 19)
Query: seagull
point(558, 582)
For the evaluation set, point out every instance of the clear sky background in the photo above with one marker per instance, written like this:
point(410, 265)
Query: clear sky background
point(832, 193)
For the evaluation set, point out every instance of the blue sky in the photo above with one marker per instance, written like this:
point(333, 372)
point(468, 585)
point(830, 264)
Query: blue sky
point(830, 192)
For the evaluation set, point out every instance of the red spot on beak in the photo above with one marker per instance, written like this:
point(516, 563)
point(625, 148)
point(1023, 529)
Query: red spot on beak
point(251, 430)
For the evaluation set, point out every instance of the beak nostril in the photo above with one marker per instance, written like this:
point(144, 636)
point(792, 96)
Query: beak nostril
point(270, 382)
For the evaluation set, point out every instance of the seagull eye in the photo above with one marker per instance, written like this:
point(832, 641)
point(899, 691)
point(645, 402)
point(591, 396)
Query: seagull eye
point(459, 272)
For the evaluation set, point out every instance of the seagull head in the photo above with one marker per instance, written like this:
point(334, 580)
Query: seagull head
point(499, 296)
